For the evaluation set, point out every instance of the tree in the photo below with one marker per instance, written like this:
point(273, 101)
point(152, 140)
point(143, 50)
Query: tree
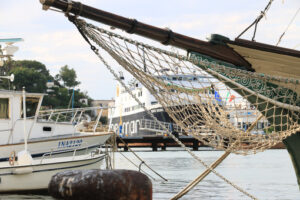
point(34, 76)
point(33, 80)
point(29, 73)
point(68, 77)
point(31, 64)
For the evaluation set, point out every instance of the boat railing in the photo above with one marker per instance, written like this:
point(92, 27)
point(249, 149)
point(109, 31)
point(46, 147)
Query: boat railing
point(201, 130)
point(73, 115)
point(152, 125)
point(55, 151)
point(79, 118)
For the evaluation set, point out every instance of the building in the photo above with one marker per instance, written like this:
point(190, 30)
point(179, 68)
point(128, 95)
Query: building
point(104, 104)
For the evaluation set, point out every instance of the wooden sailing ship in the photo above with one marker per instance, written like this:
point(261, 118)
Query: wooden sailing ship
point(239, 54)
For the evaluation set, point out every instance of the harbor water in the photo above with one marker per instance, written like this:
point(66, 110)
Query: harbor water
point(268, 175)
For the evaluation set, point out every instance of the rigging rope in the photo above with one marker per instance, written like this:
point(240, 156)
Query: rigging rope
point(279, 40)
point(192, 184)
point(256, 21)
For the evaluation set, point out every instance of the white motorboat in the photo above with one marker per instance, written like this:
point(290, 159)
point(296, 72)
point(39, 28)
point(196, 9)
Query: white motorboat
point(35, 177)
point(47, 131)
point(57, 131)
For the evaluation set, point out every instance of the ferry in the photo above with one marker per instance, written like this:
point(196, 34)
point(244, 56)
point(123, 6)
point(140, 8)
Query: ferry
point(129, 119)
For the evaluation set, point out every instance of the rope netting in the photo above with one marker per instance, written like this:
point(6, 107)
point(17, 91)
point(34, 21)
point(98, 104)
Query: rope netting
point(217, 103)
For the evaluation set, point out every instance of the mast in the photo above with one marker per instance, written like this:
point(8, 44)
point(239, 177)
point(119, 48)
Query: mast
point(165, 36)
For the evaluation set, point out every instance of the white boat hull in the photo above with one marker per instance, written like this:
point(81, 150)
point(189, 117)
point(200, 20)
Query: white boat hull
point(57, 146)
point(36, 177)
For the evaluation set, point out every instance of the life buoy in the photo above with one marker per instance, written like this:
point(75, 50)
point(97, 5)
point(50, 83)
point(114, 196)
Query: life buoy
point(12, 158)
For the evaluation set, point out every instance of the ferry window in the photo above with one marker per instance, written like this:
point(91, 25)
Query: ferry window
point(249, 125)
point(239, 124)
point(124, 128)
point(180, 78)
point(174, 78)
point(31, 106)
point(137, 126)
point(47, 128)
point(258, 125)
point(116, 128)
point(131, 127)
point(244, 125)
point(4, 108)
point(195, 78)
point(127, 129)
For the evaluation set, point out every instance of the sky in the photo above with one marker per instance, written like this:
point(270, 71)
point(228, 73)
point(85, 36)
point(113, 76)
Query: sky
point(51, 39)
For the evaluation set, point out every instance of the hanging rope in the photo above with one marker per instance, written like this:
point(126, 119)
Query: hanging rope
point(279, 40)
point(256, 21)
point(142, 161)
point(138, 167)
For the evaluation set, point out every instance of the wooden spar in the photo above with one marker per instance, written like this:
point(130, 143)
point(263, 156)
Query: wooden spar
point(165, 36)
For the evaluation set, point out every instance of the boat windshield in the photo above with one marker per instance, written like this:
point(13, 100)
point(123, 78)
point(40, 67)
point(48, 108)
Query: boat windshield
point(4, 108)
point(31, 106)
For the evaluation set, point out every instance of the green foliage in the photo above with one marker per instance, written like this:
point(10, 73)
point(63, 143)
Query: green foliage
point(33, 80)
point(31, 64)
point(34, 76)
point(68, 77)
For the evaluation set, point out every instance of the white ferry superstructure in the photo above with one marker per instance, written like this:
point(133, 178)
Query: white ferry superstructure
point(128, 118)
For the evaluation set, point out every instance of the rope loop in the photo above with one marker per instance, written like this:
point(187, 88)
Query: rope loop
point(140, 166)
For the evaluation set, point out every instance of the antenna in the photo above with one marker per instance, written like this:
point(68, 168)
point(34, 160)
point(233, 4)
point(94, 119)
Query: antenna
point(9, 50)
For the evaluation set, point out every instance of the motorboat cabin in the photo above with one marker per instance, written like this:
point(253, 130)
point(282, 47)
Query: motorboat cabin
point(12, 120)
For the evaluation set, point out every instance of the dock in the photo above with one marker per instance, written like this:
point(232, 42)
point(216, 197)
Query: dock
point(157, 142)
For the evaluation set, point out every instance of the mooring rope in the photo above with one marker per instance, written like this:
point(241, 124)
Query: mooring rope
point(142, 161)
point(138, 167)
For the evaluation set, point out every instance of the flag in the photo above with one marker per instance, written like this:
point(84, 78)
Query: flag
point(217, 96)
point(227, 96)
point(232, 97)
